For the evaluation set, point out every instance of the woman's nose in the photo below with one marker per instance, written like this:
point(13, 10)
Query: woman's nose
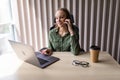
point(58, 19)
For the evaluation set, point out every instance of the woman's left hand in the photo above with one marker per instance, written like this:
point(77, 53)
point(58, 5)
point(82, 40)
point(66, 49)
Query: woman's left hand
point(68, 22)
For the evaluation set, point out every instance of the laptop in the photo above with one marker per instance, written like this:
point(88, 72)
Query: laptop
point(27, 54)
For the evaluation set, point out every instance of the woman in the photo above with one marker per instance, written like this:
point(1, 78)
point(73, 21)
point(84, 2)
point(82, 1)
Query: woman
point(64, 37)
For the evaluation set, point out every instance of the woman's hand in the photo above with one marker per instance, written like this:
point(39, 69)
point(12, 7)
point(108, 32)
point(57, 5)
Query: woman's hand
point(46, 51)
point(68, 22)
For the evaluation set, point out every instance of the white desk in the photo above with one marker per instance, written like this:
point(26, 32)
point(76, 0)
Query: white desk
point(106, 69)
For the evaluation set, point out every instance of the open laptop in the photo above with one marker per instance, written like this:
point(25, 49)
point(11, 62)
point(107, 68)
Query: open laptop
point(27, 54)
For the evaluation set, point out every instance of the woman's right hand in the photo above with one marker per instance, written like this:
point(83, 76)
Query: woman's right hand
point(46, 51)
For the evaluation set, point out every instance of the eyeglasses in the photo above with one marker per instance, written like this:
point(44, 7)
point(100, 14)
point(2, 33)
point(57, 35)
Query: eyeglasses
point(82, 63)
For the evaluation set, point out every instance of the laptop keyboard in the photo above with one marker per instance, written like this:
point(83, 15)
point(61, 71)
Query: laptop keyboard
point(42, 61)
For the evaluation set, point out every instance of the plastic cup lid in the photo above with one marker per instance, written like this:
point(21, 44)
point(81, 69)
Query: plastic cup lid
point(95, 47)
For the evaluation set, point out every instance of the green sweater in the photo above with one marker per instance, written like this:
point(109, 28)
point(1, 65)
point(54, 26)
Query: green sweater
point(65, 43)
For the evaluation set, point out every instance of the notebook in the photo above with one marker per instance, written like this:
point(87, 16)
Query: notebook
point(27, 54)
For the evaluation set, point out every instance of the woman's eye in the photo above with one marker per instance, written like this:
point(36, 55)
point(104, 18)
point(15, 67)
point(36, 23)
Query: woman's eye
point(62, 17)
point(59, 18)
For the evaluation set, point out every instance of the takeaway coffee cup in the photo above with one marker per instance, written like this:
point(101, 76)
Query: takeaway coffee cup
point(94, 53)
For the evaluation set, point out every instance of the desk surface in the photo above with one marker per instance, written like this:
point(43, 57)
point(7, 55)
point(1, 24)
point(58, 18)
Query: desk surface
point(106, 69)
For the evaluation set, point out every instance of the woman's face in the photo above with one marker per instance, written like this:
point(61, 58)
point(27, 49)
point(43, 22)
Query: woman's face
point(60, 17)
